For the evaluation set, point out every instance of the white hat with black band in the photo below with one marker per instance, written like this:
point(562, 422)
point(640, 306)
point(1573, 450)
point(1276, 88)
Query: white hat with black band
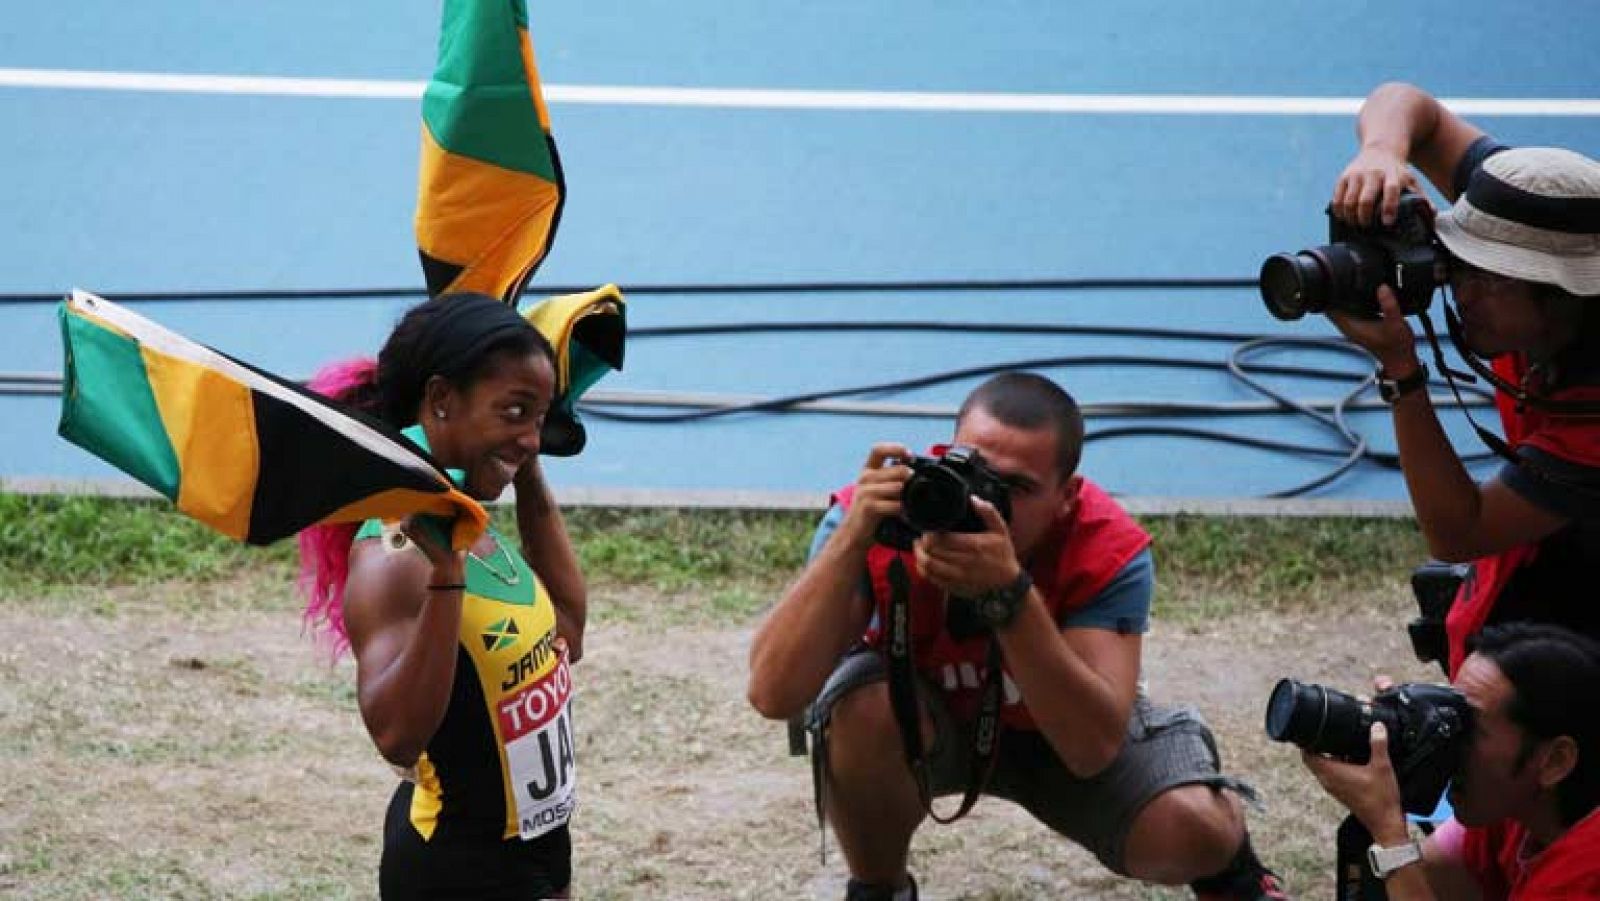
point(1531, 213)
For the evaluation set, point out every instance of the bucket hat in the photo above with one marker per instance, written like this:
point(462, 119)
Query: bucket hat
point(1531, 213)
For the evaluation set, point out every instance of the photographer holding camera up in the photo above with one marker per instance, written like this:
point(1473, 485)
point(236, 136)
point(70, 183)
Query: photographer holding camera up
point(1526, 776)
point(1521, 255)
point(971, 623)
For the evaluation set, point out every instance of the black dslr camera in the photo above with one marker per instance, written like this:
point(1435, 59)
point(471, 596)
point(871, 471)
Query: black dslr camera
point(1428, 727)
point(1345, 273)
point(937, 497)
point(1435, 585)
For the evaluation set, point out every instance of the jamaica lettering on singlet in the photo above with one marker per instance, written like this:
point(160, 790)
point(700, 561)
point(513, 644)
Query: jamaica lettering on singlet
point(514, 715)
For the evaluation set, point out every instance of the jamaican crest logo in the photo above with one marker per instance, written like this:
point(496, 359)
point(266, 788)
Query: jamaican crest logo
point(500, 635)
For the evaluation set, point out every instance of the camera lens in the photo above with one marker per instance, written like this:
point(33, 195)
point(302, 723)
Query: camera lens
point(1294, 712)
point(1292, 285)
point(1319, 719)
point(935, 499)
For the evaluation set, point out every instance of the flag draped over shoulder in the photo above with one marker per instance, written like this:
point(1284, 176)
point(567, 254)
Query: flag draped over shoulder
point(253, 456)
point(490, 190)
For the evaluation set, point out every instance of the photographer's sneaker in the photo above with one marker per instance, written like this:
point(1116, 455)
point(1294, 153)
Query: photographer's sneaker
point(1262, 886)
point(1245, 879)
point(865, 891)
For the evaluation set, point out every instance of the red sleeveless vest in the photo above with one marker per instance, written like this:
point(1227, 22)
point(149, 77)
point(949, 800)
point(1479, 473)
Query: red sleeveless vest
point(1569, 437)
point(1077, 560)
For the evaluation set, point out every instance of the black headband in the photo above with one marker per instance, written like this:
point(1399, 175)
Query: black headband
point(1572, 215)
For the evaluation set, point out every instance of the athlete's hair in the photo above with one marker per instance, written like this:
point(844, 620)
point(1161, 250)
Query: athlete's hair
point(1024, 400)
point(458, 337)
point(1555, 680)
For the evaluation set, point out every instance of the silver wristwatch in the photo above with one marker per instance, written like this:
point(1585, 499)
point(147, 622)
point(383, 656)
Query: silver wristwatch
point(1384, 861)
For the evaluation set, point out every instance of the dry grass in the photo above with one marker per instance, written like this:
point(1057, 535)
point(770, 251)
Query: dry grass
point(179, 742)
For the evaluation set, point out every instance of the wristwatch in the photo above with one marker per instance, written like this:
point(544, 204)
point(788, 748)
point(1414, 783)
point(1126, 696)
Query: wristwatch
point(1384, 861)
point(1392, 390)
point(997, 607)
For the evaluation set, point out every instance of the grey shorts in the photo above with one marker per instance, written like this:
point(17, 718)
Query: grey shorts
point(1166, 747)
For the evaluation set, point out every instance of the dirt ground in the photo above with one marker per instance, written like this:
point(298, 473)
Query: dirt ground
point(215, 754)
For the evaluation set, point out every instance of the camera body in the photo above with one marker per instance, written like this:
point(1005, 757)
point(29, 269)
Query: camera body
point(1435, 586)
point(938, 496)
point(1344, 274)
point(1428, 728)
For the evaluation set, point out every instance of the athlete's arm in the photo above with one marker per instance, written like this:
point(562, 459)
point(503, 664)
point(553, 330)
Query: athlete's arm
point(405, 638)
point(548, 549)
point(825, 610)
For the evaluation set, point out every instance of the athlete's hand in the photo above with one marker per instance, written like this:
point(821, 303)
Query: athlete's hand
point(449, 566)
point(877, 493)
point(1368, 191)
point(967, 564)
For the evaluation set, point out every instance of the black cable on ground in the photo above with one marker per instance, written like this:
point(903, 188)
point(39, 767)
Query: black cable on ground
point(1351, 451)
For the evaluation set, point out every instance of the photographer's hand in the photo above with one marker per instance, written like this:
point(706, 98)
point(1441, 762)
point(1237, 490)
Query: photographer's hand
point(967, 564)
point(1389, 339)
point(877, 493)
point(1369, 791)
point(1369, 189)
point(825, 610)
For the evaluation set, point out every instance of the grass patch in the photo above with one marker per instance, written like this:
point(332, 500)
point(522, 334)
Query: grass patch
point(1212, 567)
point(726, 565)
point(671, 550)
point(55, 540)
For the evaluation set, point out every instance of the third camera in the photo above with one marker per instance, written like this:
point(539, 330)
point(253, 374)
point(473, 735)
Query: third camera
point(1344, 274)
point(1428, 728)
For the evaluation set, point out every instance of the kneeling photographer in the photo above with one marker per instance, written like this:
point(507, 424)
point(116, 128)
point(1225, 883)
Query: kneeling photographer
point(1520, 252)
point(970, 623)
point(1519, 741)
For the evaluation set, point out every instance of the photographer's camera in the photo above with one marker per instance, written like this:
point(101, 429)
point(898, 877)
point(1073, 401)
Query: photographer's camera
point(1344, 274)
point(1428, 728)
point(938, 497)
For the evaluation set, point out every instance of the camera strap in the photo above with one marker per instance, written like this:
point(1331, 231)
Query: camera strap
point(1490, 439)
point(907, 708)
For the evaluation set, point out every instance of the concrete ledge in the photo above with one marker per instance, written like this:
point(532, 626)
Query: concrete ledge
point(806, 500)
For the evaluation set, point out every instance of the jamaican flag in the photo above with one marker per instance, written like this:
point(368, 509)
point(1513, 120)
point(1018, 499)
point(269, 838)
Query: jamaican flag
point(490, 193)
point(587, 332)
point(490, 189)
point(247, 453)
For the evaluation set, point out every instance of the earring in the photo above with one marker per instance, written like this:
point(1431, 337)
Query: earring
point(438, 412)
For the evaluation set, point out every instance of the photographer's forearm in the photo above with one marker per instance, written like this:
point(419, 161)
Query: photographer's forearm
point(1405, 120)
point(796, 647)
point(1447, 501)
point(1075, 688)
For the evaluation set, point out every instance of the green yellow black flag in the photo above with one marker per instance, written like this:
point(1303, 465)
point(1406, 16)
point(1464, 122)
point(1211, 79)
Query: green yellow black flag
point(490, 194)
point(490, 190)
point(249, 454)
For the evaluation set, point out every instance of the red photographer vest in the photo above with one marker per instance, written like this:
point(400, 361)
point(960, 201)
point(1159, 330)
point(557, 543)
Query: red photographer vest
point(1571, 437)
point(1078, 559)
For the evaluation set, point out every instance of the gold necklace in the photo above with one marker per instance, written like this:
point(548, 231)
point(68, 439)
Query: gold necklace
point(510, 577)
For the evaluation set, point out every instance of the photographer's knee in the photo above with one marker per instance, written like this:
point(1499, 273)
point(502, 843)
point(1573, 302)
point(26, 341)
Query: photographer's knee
point(1184, 834)
point(861, 721)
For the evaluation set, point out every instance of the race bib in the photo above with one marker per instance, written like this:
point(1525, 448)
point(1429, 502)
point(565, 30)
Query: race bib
point(536, 725)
